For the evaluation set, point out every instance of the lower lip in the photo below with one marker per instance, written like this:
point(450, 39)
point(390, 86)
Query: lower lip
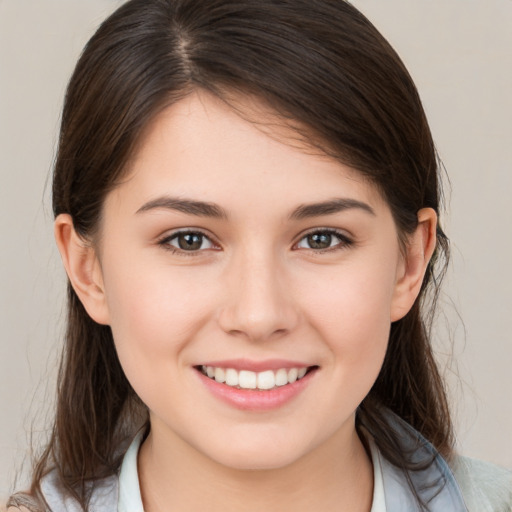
point(253, 399)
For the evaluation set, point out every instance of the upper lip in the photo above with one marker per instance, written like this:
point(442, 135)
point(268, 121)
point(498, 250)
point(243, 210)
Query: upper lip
point(256, 366)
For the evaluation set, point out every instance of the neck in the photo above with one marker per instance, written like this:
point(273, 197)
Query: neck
point(335, 476)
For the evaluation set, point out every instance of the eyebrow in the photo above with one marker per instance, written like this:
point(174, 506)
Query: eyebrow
point(329, 207)
point(198, 208)
point(206, 209)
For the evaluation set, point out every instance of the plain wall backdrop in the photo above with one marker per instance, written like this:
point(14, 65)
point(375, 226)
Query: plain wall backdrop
point(460, 54)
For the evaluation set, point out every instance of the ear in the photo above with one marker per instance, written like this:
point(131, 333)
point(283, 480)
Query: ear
point(420, 247)
point(82, 267)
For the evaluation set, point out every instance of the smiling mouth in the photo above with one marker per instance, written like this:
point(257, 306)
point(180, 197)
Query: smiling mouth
point(261, 381)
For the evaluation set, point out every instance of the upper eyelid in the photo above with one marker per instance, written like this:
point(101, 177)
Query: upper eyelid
point(323, 230)
point(339, 232)
point(168, 235)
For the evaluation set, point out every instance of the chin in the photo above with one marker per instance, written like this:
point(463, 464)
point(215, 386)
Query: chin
point(264, 454)
point(257, 461)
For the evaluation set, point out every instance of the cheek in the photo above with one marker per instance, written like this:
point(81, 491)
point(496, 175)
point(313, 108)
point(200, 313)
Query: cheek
point(154, 313)
point(351, 309)
point(350, 312)
point(154, 316)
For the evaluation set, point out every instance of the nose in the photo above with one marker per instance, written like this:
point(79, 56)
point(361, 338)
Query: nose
point(258, 304)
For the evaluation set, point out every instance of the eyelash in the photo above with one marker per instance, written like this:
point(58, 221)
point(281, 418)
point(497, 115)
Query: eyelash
point(344, 241)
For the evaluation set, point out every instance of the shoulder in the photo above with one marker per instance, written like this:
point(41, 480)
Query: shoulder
point(23, 502)
point(485, 487)
point(460, 484)
point(102, 495)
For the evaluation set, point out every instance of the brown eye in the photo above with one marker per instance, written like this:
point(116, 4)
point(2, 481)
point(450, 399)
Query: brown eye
point(188, 241)
point(319, 240)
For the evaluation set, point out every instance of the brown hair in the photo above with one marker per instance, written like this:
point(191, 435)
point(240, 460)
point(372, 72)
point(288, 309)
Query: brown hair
point(321, 64)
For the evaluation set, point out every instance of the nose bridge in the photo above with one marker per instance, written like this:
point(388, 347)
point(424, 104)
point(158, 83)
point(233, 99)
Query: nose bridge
point(257, 305)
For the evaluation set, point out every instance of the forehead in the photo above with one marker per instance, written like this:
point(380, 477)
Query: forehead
point(239, 152)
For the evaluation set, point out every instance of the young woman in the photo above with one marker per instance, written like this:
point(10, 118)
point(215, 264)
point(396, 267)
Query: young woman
point(246, 198)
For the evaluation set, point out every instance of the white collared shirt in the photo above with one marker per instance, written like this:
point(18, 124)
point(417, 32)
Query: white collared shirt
point(130, 499)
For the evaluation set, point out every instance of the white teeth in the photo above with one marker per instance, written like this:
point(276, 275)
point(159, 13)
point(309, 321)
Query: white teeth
point(231, 377)
point(246, 379)
point(266, 380)
point(281, 377)
point(220, 375)
point(292, 374)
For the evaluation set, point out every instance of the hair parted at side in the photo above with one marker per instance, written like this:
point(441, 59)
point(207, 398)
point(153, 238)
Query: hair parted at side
point(319, 63)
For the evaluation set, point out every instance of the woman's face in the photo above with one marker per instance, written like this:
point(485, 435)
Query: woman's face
point(236, 254)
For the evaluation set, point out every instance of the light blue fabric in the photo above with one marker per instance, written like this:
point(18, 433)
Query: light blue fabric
point(485, 487)
point(467, 486)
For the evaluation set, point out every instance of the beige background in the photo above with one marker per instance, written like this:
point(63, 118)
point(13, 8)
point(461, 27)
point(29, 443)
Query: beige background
point(458, 51)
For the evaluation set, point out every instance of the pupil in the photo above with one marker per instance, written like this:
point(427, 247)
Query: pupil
point(190, 241)
point(320, 240)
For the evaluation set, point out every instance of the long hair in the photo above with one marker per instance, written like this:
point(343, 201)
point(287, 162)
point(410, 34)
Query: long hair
point(320, 65)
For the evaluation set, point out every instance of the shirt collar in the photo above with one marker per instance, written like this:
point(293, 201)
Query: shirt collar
point(130, 499)
point(379, 499)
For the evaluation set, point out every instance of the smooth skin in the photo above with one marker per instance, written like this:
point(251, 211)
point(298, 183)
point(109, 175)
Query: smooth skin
point(254, 283)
